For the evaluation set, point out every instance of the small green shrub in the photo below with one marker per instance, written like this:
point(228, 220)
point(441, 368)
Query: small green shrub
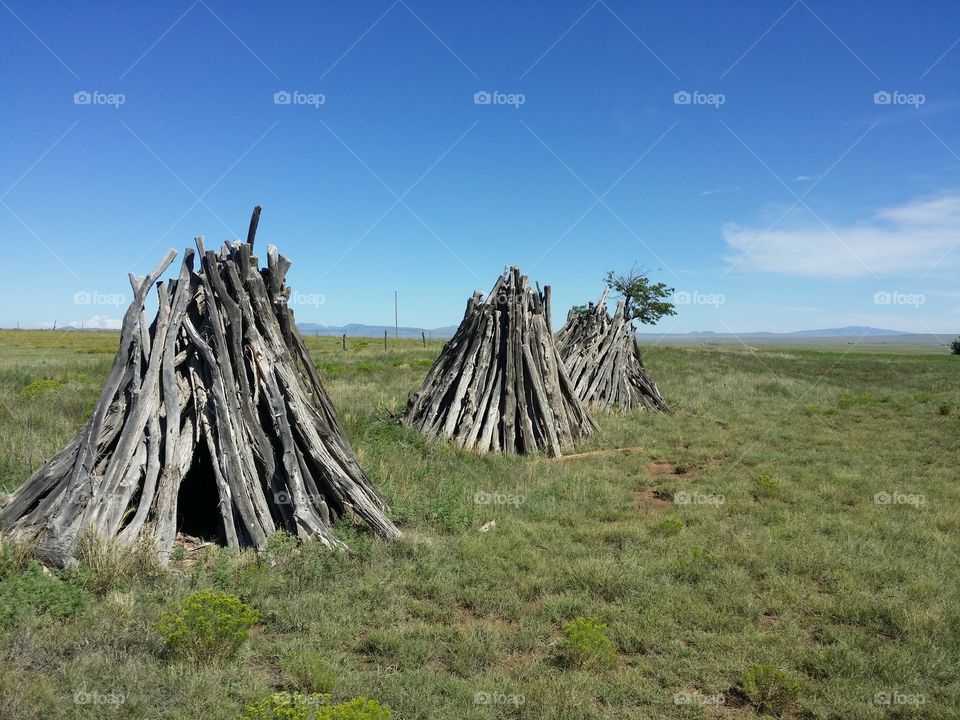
point(294, 706)
point(586, 645)
point(309, 672)
point(849, 399)
point(209, 625)
point(770, 689)
point(944, 408)
point(668, 527)
point(357, 709)
point(955, 347)
point(38, 387)
point(694, 565)
point(766, 487)
point(923, 397)
point(282, 548)
point(285, 706)
point(36, 592)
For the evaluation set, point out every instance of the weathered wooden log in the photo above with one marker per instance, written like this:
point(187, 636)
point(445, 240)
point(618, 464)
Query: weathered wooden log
point(218, 398)
point(602, 358)
point(499, 384)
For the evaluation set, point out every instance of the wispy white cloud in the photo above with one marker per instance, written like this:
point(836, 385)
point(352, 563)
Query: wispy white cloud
point(97, 322)
point(916, 237)
point(806, 178)
point(719, 190)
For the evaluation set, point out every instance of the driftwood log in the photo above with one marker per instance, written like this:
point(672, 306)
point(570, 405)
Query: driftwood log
point(603, 359)
point(212, 420)
point(499, 384)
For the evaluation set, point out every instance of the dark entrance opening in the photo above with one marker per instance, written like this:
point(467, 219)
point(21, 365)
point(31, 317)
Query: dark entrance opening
point(198, 502)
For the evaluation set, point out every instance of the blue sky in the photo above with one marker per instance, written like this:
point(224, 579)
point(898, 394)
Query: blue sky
point(811, 180)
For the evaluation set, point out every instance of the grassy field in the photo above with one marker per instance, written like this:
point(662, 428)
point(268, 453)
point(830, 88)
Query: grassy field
point(801, 508)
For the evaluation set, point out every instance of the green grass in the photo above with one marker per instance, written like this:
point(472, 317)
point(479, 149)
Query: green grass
point(799, 568)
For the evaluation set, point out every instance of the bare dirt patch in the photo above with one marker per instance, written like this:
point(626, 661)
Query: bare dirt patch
point(465, 619)
point(652, 498)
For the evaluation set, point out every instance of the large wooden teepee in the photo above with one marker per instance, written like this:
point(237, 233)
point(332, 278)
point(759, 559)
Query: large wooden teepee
point(603, 359)
point(212, 421)
point(500, 385)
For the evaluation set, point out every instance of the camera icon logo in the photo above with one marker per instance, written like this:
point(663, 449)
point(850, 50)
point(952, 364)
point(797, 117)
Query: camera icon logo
point(82, 97)
point(882, 97)
point(682, 97)
point(282, 97)
point(482, 97)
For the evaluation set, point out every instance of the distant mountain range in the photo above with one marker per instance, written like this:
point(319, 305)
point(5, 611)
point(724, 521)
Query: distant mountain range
point(848, 331)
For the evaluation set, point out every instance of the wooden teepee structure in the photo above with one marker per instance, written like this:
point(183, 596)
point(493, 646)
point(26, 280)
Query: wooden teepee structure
point(499, 384)
point(603, 359)
point(212, 421)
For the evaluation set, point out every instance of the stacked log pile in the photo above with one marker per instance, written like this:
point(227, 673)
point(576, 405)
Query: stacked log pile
point(221, 373)
point(602, 357)
point(499, 384)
